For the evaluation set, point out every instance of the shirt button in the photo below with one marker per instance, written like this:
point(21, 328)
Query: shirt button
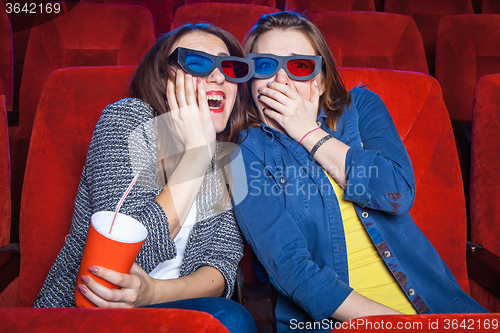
point(387, 254)
point(282, 180)
point(364, 215)
point(411, 292)
point(318, 123)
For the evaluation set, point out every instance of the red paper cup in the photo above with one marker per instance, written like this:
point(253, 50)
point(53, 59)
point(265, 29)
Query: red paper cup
point(116, 251)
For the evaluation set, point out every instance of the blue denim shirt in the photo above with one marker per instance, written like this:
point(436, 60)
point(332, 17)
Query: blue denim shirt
point(292, 220)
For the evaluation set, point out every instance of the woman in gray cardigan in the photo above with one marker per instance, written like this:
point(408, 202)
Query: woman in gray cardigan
point(168, 133)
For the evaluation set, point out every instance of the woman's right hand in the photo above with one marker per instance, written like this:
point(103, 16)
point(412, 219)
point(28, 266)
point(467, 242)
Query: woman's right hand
point(189, 112)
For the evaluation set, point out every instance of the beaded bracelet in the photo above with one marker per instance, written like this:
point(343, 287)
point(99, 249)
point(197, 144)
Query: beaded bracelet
point(317, 128)
point(319, 144)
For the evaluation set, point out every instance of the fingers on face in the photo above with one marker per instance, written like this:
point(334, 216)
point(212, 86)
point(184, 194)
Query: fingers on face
point(171, 99)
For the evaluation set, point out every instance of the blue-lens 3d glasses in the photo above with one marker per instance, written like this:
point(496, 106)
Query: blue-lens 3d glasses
point(201, 64)
point(298, 67)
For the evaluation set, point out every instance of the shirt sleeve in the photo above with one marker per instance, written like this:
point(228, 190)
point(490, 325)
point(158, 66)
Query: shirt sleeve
point(281, 247)
point(379, 175)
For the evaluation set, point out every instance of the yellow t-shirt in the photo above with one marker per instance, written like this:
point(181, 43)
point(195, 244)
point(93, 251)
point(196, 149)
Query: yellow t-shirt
point(368, 273)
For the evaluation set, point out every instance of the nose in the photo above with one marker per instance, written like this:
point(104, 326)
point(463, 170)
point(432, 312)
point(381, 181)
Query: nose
point(216, 77)
point(282, 77)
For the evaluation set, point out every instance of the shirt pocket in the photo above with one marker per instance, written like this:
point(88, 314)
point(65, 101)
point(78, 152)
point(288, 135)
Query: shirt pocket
point(290, 186)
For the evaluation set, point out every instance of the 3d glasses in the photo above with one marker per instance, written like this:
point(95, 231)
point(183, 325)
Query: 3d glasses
point(298, 67)
point(201, 64)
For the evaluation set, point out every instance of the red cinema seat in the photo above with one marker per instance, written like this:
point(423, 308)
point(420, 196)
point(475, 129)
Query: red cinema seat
point(468, 47)
point(268, 3)
point(161, 10)
point(446, 322)
point(490, 7)
point(4, 175)
point(64, 320)
point(87, 35)
point(6, 57)
point(485, 174)
point(419, 113)
point(374, 39)
point(309, 7)
point(426, 14)
point(235, 18)
point(70, 105)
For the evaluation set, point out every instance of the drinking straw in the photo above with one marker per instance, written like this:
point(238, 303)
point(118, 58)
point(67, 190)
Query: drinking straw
point(119, 205)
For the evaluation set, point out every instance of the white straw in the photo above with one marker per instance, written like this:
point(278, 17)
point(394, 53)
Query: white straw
point(119, 205)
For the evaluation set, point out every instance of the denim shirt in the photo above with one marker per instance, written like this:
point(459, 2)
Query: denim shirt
point(291, 217)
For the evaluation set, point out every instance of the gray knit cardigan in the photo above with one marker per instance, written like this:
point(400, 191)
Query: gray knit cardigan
point(111, 165)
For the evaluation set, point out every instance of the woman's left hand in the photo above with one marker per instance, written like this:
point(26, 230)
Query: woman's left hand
point(136, 288)
point(294, 113)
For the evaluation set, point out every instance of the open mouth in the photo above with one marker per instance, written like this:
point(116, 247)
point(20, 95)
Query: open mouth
point(216, 101)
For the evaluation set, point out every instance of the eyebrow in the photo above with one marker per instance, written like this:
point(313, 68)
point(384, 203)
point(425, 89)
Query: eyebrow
point(222, 54)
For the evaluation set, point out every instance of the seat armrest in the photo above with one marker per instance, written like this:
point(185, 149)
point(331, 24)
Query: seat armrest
point(483, 267)
point(10, 260)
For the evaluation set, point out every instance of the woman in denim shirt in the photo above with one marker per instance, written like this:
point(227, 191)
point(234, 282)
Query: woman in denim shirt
point(309, 137)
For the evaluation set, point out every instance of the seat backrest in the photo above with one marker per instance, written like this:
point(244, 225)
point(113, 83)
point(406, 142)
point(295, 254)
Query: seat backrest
point(490, 7)
point(70, 105)
point(468, 47)
point(161, 10)
point(373, 39)
point(268, 3)
point(5, 197)
point(109, 320)
point(87, 35)
point(485, 155)
point(309, 7)
point(426, 14)
point(6, 56)
point(235, 18)
point(419, 113)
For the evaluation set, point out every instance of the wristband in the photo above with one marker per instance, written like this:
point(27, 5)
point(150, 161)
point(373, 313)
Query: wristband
point(317, 128)
point(318, 144)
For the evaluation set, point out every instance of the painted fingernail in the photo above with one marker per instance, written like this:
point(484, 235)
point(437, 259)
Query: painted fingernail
point(263, 109)
point(93, 269)
point(269, 84)
point(316, 83)
point(258, 96)
point(85, 279)
point(82, 288)
point(259, 89)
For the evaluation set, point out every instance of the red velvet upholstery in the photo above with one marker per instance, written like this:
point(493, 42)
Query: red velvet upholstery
point(491, 7)
point(439, 323)
point(88, 35)
point(268, 3)
point(468, 47)
point(417, 108)
point(427, 14)
point(161, 10)
point(310, 7)
point(6, 57)
point(485, 174)
point(70, 105)
point(235, 18)
point(4, 176)
point(66, 320)
point(377, 40)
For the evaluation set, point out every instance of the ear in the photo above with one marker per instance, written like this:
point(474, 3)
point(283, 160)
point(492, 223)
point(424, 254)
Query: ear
point(321, 84)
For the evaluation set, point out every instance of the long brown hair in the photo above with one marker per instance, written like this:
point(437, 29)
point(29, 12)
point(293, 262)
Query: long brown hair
point(335, 96)
point(149, 83)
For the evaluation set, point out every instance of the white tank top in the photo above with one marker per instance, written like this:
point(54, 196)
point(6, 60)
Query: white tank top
point(170, 269)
